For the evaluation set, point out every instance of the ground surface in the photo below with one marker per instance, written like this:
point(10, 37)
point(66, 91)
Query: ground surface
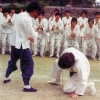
point(43, 65)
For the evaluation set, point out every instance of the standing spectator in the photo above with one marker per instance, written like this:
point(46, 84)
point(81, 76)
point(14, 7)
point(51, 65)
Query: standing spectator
point(88, 36)
point(41, 26)
point(97, 24)
point(82, 22)
point(23, 32)
point(1, 16)
point(55, 29)
point(71, 35)
point(6, 30)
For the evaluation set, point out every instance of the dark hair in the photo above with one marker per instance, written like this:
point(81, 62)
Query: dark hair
point(84, 11)
point(67, 11)
point(58, 14)
point(33, 6)
point(5, 10)
point(40, 13)
point(97, 13)
point(66, 60)
point(0, 6)
point(91, 19)
point(56, 10)
point(74, 20)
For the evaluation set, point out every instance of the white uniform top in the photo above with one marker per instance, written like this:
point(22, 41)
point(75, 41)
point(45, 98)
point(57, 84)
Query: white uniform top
point(97, 24)
point(6, 27)
point(68, 32)
point(81, 21)
point(13, 18)
point(23, 28)
point(66, 21)
point(1, 16)
point(90, 33)
point(82, 67)
point(43, 24)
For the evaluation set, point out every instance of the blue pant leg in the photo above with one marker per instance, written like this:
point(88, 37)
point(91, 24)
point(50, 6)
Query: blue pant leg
point(12, 63)
point(26, 65)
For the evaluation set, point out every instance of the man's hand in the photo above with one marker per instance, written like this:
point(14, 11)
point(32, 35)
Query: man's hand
point(74, 96)
point(31, 39)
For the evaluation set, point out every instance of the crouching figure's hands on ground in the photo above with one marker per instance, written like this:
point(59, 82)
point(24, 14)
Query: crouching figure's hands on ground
point(73, 96)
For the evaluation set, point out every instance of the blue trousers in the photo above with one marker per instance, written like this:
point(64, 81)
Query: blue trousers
point(26, 63)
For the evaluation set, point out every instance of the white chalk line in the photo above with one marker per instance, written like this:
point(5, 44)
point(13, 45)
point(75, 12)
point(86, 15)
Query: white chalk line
point(45, 76)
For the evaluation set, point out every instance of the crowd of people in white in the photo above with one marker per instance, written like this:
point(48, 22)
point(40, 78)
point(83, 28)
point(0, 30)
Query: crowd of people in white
point(56, 33)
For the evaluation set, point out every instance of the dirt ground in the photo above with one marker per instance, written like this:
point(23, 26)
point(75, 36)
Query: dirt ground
point(14, 89)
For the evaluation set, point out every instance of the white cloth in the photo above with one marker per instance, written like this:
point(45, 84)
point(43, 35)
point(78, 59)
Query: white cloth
point(55, 36)
point(89, 41)
point(66, 21)
point(78, 82)
point(41, 40)
point(23, 29)
point(68, 40)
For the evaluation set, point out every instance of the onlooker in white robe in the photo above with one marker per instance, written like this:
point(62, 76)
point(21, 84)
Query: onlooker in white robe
point(78, 65)
point(6, 30)
point(71, 35)
point(88, 39)
point(41, 26)
point(1, 16)
point(97, 24)
point(82, 23)
point(55, 29)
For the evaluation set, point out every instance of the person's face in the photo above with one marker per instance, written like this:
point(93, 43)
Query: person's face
point(5, 14)
point(34, 13)
point(12, 11)
point(40, 16)
point(73, 23)
point(67, 14)
point(90, 23)
point(97, 16)
point(0, 9)
point(57, 17)
point(83, 15)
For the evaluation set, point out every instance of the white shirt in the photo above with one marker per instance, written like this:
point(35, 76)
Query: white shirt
point(66, 21)
point(23, 29)
point(90, 33)
point(81, 21)
point(6, 27)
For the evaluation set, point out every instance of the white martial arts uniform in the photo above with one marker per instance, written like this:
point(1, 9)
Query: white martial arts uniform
point(6, 32)
point(81, 21)
point(98, 42)
point(55, 36)
point(68, 40)
point(1, 16)
point(78, 81)
point(89, 41)
point(40, 42)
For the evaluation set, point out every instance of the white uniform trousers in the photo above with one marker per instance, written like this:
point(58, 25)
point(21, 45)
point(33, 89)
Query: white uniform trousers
point(71, 43)
point(40, 43)
point(55, 44)
point(98, 48)
point(86, 44)
point(5, 40)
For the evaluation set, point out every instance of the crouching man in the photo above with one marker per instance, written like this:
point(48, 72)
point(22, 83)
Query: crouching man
point(78, 65)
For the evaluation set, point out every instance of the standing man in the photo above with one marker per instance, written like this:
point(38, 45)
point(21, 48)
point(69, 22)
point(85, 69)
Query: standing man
point(77, 64)
point(41, 26)
point(89, 36)
point(97, 24)
point(55, 28)
point(23, 32)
